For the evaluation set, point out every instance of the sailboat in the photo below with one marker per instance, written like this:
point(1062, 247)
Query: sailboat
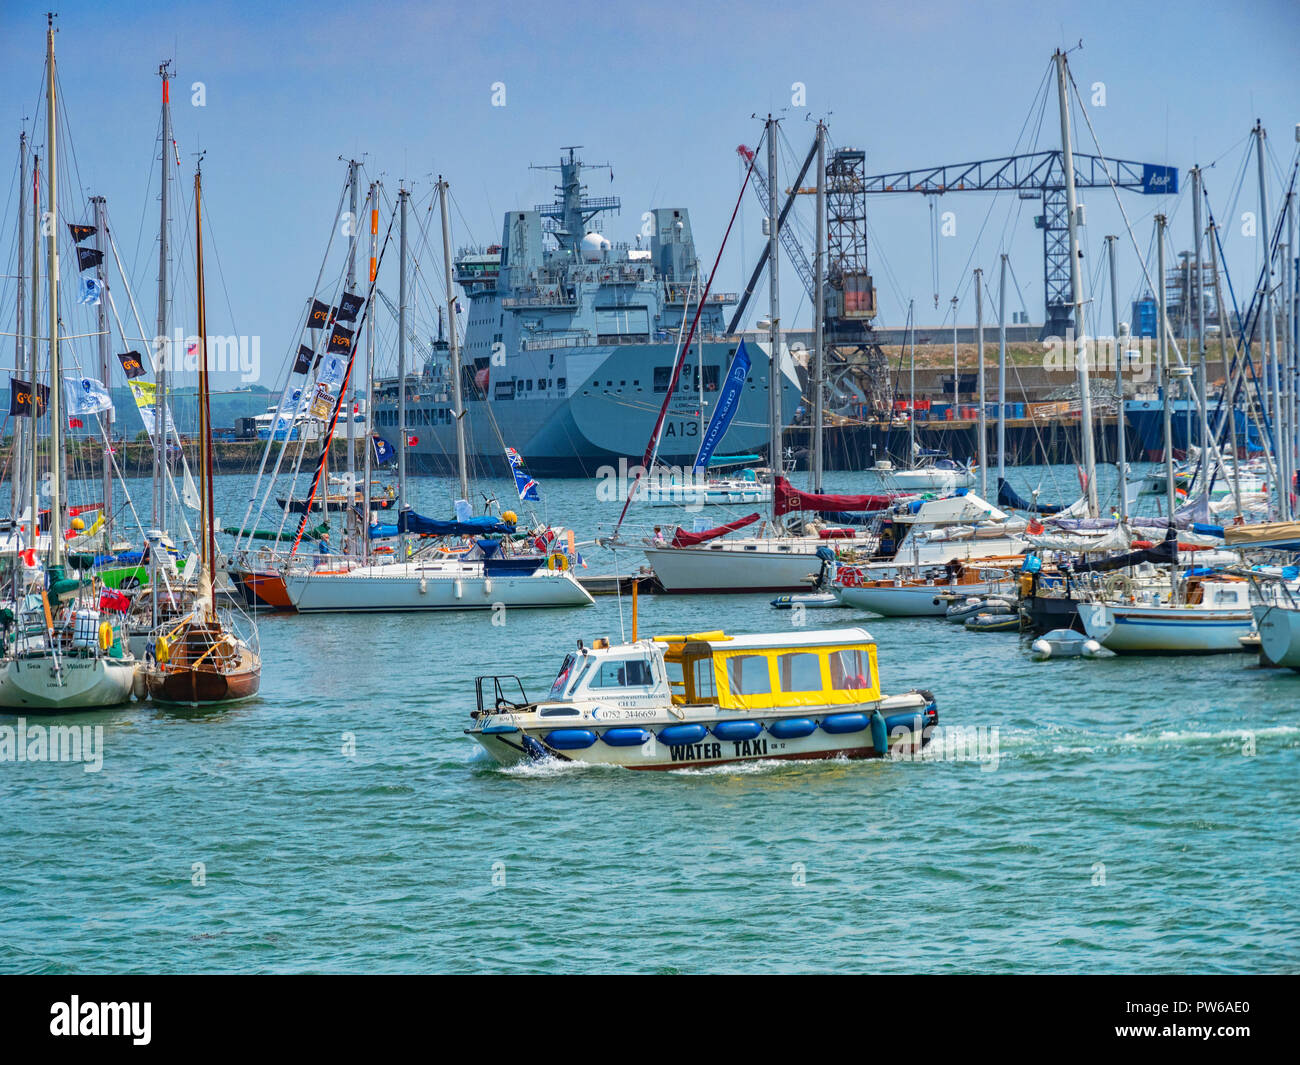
point(431, 578)
point(57, 656)
point(202, 659)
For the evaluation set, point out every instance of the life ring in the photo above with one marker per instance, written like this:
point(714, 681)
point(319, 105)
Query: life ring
point(161, 650)
point(105, 636)
point(557, 562)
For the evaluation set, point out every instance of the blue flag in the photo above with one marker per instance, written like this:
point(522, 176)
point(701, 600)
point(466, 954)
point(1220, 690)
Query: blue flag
point(385, 453)
point(725, 408)
point(523, 482)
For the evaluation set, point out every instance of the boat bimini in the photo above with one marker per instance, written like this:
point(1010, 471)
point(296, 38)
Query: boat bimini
point(674, 702)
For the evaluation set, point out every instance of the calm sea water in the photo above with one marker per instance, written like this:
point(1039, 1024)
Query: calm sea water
point(344, 822)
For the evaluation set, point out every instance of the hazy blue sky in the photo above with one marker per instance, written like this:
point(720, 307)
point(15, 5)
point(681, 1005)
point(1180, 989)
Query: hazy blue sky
point(664, 93)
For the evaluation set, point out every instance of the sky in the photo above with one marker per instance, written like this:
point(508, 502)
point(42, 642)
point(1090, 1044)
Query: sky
point(661, 93)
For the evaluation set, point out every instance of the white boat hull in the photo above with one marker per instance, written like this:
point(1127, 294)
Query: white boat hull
point(712, 495)
point(931, 478)
point(910, 600)
point(766, 568)
point(379, 589)
point(37, 683)
point(1279, 635)
point(1149, 629)
point(908, 721)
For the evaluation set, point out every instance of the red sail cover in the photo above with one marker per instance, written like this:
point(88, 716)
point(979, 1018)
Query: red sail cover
point(689, 539)
point(789, 498)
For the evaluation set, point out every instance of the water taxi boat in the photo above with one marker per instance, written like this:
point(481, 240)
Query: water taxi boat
point(706, 699)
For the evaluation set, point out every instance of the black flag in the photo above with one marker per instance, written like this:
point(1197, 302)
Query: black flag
point(340, 341)
point(319, 317)
point(20, 398)
point(350, 305)
point(132, 363)
point(80, 233)
point(88, 258)
point(303, 362)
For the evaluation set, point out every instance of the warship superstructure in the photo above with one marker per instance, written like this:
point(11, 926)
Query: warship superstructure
point(569, 344)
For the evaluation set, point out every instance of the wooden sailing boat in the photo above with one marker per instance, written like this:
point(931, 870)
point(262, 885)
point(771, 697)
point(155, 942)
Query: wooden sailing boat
point(203, 660)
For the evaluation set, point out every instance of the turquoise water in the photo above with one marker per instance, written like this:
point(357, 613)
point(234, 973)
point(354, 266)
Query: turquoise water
point(1123, 828)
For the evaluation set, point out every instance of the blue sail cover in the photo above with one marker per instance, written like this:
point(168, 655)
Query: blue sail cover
point(1009, 498)
point(725, 408)
point(408, 521)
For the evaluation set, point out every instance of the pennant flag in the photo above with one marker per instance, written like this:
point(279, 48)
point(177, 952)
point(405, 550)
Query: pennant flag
point(290, 407)
point(385, 453)
point(340, 341)
point(303, 362)
point(319, 317)
point(20, 398)
point(350, 305)
point(411, 441)
point(88, 258)
point(132, 364)
point(80, 233)
point(523, 482)
point(725, 408)
point(85, 396)
point(145, 392)
point(76, 423)
point(91, 291)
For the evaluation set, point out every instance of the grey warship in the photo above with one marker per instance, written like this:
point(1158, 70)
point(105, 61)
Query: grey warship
point(569, 343)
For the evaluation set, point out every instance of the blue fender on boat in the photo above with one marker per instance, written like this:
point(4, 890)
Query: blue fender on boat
point(792, 728)
point(570, 739)
point(626, 737)
point(840, 723)
point(737, 730)
point(680, 735)
point(880, 732)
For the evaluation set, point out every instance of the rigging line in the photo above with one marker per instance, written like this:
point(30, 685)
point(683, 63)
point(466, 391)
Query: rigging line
point(284, 395)
point(775, 357)
point(1171, 339)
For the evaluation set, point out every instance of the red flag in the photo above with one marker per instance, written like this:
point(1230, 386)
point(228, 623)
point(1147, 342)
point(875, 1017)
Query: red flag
point(110, 600)
point(411, 441)
point(76, 423)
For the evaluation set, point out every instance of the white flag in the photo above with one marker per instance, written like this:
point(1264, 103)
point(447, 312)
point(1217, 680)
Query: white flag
point(86, 396)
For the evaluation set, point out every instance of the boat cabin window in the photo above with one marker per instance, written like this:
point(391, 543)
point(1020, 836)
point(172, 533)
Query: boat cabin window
point(622, 673)
point(850, 669)
point(748, 675)
point(800, 671)
point(703, 686)
point(563, 678)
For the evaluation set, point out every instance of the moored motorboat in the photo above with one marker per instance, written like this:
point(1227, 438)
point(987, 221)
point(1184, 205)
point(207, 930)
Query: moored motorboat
point(676, 702)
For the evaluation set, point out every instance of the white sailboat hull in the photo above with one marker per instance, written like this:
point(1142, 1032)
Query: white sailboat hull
point(764, 568)
point(710, 495)
point(931, 478)
point(1279, 634)
point(1164, 630)
point(378, 589)
point(37, 683)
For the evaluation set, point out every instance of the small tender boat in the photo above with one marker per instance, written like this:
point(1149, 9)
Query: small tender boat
point(963, 609)
point(1066, 643)
point(675, 702)
point(807, 600)
point(994, 622)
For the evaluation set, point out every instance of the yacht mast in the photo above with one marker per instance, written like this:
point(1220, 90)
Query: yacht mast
point(52, 269)
point(208, 532)
point(1195, 292)
point(161, 437)
point(774, 316)
point(1268, 334)
point(350, 513)
point(20, 340)
point(1117, 347)
point(1076, 288)
point(819, 318)
point(106, 460)
point(453, 346)
point(1002, 370)
point(982, 421)
point(370, 376)
point(402, 197)
point(33, 477)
